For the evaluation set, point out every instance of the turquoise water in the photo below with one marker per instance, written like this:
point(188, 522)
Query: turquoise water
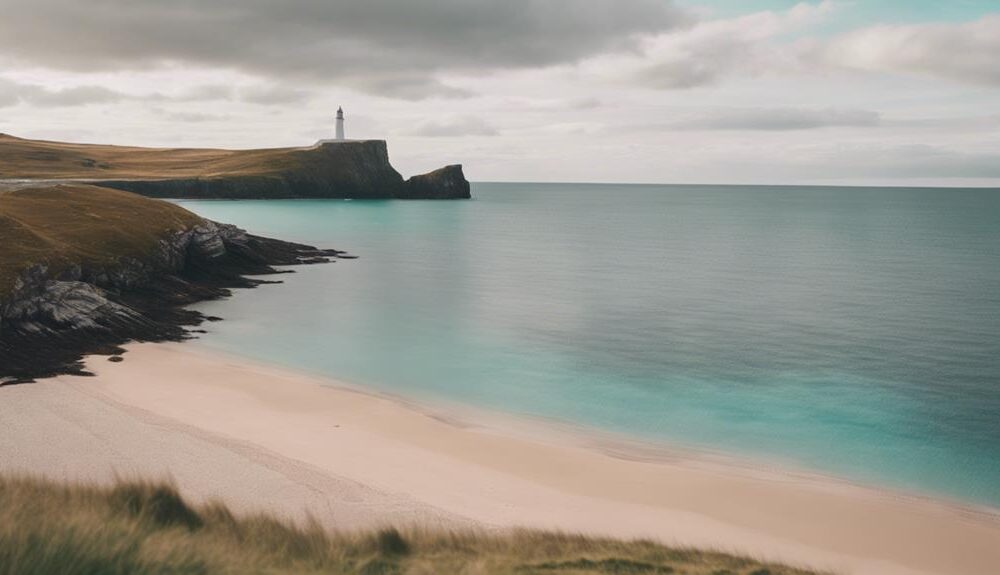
point(851, 331)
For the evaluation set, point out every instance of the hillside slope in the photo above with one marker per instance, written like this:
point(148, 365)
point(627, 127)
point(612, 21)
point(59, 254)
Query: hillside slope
point(349, 169)
point(65, 226)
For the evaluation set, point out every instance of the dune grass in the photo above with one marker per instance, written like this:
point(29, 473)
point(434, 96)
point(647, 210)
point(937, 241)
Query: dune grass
point(139, 527)
point(73, 224)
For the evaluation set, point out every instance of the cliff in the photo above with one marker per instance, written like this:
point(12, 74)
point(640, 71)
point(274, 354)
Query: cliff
point(84, 269)
point(350, 169)
point(444, 183)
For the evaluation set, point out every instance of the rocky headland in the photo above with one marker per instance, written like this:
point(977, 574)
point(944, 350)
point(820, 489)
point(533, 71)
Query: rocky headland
point(84, 269)
point(351, 169)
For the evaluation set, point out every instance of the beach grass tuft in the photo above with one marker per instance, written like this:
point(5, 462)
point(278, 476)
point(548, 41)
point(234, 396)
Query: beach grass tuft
point(147, 527)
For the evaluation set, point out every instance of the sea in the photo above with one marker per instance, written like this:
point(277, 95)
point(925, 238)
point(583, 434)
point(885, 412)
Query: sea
point(853, 332)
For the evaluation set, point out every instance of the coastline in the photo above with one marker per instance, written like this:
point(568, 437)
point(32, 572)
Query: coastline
point(267, 438)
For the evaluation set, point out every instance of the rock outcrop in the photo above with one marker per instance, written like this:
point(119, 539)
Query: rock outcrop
point(51, 319)
point(356, 170)
point(442, 184)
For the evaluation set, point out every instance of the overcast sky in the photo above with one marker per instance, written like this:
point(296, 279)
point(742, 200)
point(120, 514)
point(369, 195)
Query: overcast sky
point(687, 91)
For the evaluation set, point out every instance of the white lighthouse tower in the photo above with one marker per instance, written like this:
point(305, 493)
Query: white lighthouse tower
point(340, 123)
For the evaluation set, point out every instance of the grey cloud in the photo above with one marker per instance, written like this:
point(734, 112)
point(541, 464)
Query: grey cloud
point(778, 119)
point(585, 104)
point(683, 74)
point(455, 127)
point(12, 93)
point(405, 85)
point(269, 95)
point(203, 93)
point(367, 45)
point(193, 117)
point(77, 96)
point(8, 97)
point(967, 124)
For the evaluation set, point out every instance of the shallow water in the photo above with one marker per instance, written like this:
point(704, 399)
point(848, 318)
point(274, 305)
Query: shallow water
point(854, 331)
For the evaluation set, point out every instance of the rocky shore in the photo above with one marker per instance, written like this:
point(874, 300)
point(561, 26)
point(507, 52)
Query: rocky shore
point(53, 315)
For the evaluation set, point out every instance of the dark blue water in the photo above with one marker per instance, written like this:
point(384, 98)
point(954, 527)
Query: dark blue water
point(852, 331)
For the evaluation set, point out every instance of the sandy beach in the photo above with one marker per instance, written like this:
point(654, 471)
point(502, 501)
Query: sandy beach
point(263, 438)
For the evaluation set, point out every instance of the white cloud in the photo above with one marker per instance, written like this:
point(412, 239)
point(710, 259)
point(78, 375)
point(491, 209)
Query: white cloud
point(967, 52)
point(714, 49)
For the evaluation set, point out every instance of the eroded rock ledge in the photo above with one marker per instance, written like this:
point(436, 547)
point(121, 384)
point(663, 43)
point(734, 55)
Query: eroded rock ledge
point(50, 320)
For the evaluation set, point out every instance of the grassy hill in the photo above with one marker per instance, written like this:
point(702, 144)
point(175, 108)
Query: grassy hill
point(75, 224)
point(38, 159)
point(349, 169)
point(148, 528)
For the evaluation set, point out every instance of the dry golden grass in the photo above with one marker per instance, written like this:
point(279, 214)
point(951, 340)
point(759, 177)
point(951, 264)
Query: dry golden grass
point(38, 159)
point(78, 224)
point(146, 528)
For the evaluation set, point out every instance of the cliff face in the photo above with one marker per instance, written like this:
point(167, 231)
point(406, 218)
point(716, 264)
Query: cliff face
point(334, 170)
point(347, 169)
point(52, 315)
point(442, 184)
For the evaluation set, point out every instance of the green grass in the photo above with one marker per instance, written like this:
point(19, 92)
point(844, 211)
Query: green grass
point(148, 528)
point(83, 225)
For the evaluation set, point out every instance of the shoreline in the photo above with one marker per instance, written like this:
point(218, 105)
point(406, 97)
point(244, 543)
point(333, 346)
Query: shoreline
point(278, 440)
point(59, 304)
point(614, 444)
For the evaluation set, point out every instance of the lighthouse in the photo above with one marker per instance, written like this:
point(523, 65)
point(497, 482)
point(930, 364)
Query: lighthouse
point(340, 123)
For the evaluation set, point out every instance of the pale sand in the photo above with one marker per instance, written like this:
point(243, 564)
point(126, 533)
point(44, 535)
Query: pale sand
point(262, 438)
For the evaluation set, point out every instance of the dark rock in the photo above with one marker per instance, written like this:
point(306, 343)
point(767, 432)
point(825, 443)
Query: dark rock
point(337, 170)
point(49, 321)
point(445, 183)
point(116, 359)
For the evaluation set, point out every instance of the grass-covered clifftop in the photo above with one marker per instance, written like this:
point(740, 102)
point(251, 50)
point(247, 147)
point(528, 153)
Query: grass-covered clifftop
point(139, 528)
point(347, 169)
point(67, 225)
point(45, 160)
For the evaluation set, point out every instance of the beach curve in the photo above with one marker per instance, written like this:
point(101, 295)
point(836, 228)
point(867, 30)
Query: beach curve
point(265, 438)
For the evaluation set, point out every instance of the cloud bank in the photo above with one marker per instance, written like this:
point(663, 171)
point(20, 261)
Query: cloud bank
point(391, 47)
point(13, 93)
point(778, 119)
point(455, 127)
